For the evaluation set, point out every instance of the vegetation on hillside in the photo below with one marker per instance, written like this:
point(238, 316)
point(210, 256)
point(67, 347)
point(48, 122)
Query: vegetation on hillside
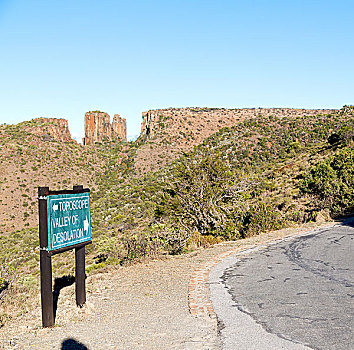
point(331, 182)
point(262, 174)
point(240, 181)
point(29, 160)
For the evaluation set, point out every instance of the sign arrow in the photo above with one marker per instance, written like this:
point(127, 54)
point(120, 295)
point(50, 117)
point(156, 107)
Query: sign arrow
point(86, 224)
point(55, 207)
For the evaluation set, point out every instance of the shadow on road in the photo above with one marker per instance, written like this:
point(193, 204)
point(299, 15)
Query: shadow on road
point(72, 344)
point(347, 221)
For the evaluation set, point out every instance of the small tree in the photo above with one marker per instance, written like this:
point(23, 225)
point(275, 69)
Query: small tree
point(203, 193)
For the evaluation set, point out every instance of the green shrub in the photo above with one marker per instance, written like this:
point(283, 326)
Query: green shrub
point(331, 182)
point(260, 218)
point(343, 136)
point(136, 245)
point(169, 238)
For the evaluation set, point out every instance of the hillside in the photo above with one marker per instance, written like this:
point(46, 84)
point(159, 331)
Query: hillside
point(167, 133)
point(252, 171)
point(41, 152)
point(36, 153)
point(263, 173)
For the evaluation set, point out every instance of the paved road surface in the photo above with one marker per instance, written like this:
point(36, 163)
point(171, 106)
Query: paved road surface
point(297, 294)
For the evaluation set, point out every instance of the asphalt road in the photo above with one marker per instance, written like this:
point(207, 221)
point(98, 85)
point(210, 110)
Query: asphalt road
point(296, 294)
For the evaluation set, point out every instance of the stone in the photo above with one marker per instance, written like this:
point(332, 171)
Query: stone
point(119, 126)
point(98, 128)
point(50, 129)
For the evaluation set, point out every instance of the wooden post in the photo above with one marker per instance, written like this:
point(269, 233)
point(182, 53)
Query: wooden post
point(80, 288)
point(45, 261)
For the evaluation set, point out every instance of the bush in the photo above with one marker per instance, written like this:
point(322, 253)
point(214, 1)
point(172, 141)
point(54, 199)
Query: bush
point(331, 183)
point(136, 245)
point(169, 238)
point(343, 136)
point(261, 218)
point(7, 276)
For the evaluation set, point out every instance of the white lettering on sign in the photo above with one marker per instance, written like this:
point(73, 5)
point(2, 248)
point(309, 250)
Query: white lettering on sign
point(86, 224)
point(67, 236)
point(75, 219)
point(68, 220)
point(73, 205)
point(61, 222)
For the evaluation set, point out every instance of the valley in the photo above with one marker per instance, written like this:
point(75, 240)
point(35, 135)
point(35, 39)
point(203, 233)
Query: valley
point(194, 177)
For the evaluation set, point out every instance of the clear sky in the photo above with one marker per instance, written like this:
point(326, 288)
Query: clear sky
point(63, 58)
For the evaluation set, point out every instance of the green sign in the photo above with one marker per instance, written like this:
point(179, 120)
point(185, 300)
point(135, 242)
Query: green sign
point(69, 220)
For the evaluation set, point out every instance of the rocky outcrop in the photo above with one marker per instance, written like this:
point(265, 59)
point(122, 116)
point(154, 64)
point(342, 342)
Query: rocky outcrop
point(170, 132)
point(119, 126)
point(98, 128)
point(50, 129)
point(147, 126)
point(194, 118)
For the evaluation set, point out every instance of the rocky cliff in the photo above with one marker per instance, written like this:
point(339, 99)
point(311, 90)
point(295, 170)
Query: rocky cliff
point(169, 132)
point(215, 118)
point(98, 128)
point(50, 129)
point(119, 126)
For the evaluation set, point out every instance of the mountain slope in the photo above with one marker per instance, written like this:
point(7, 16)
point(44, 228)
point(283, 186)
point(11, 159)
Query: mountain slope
point(167, 133)
point(261, 174)
point(31, 156)
point(240, 181)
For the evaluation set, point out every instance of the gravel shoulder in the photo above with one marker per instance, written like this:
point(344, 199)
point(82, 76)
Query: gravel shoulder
point(144, 306)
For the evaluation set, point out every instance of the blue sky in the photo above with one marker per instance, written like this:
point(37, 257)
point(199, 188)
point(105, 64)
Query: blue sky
point(63, 58)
